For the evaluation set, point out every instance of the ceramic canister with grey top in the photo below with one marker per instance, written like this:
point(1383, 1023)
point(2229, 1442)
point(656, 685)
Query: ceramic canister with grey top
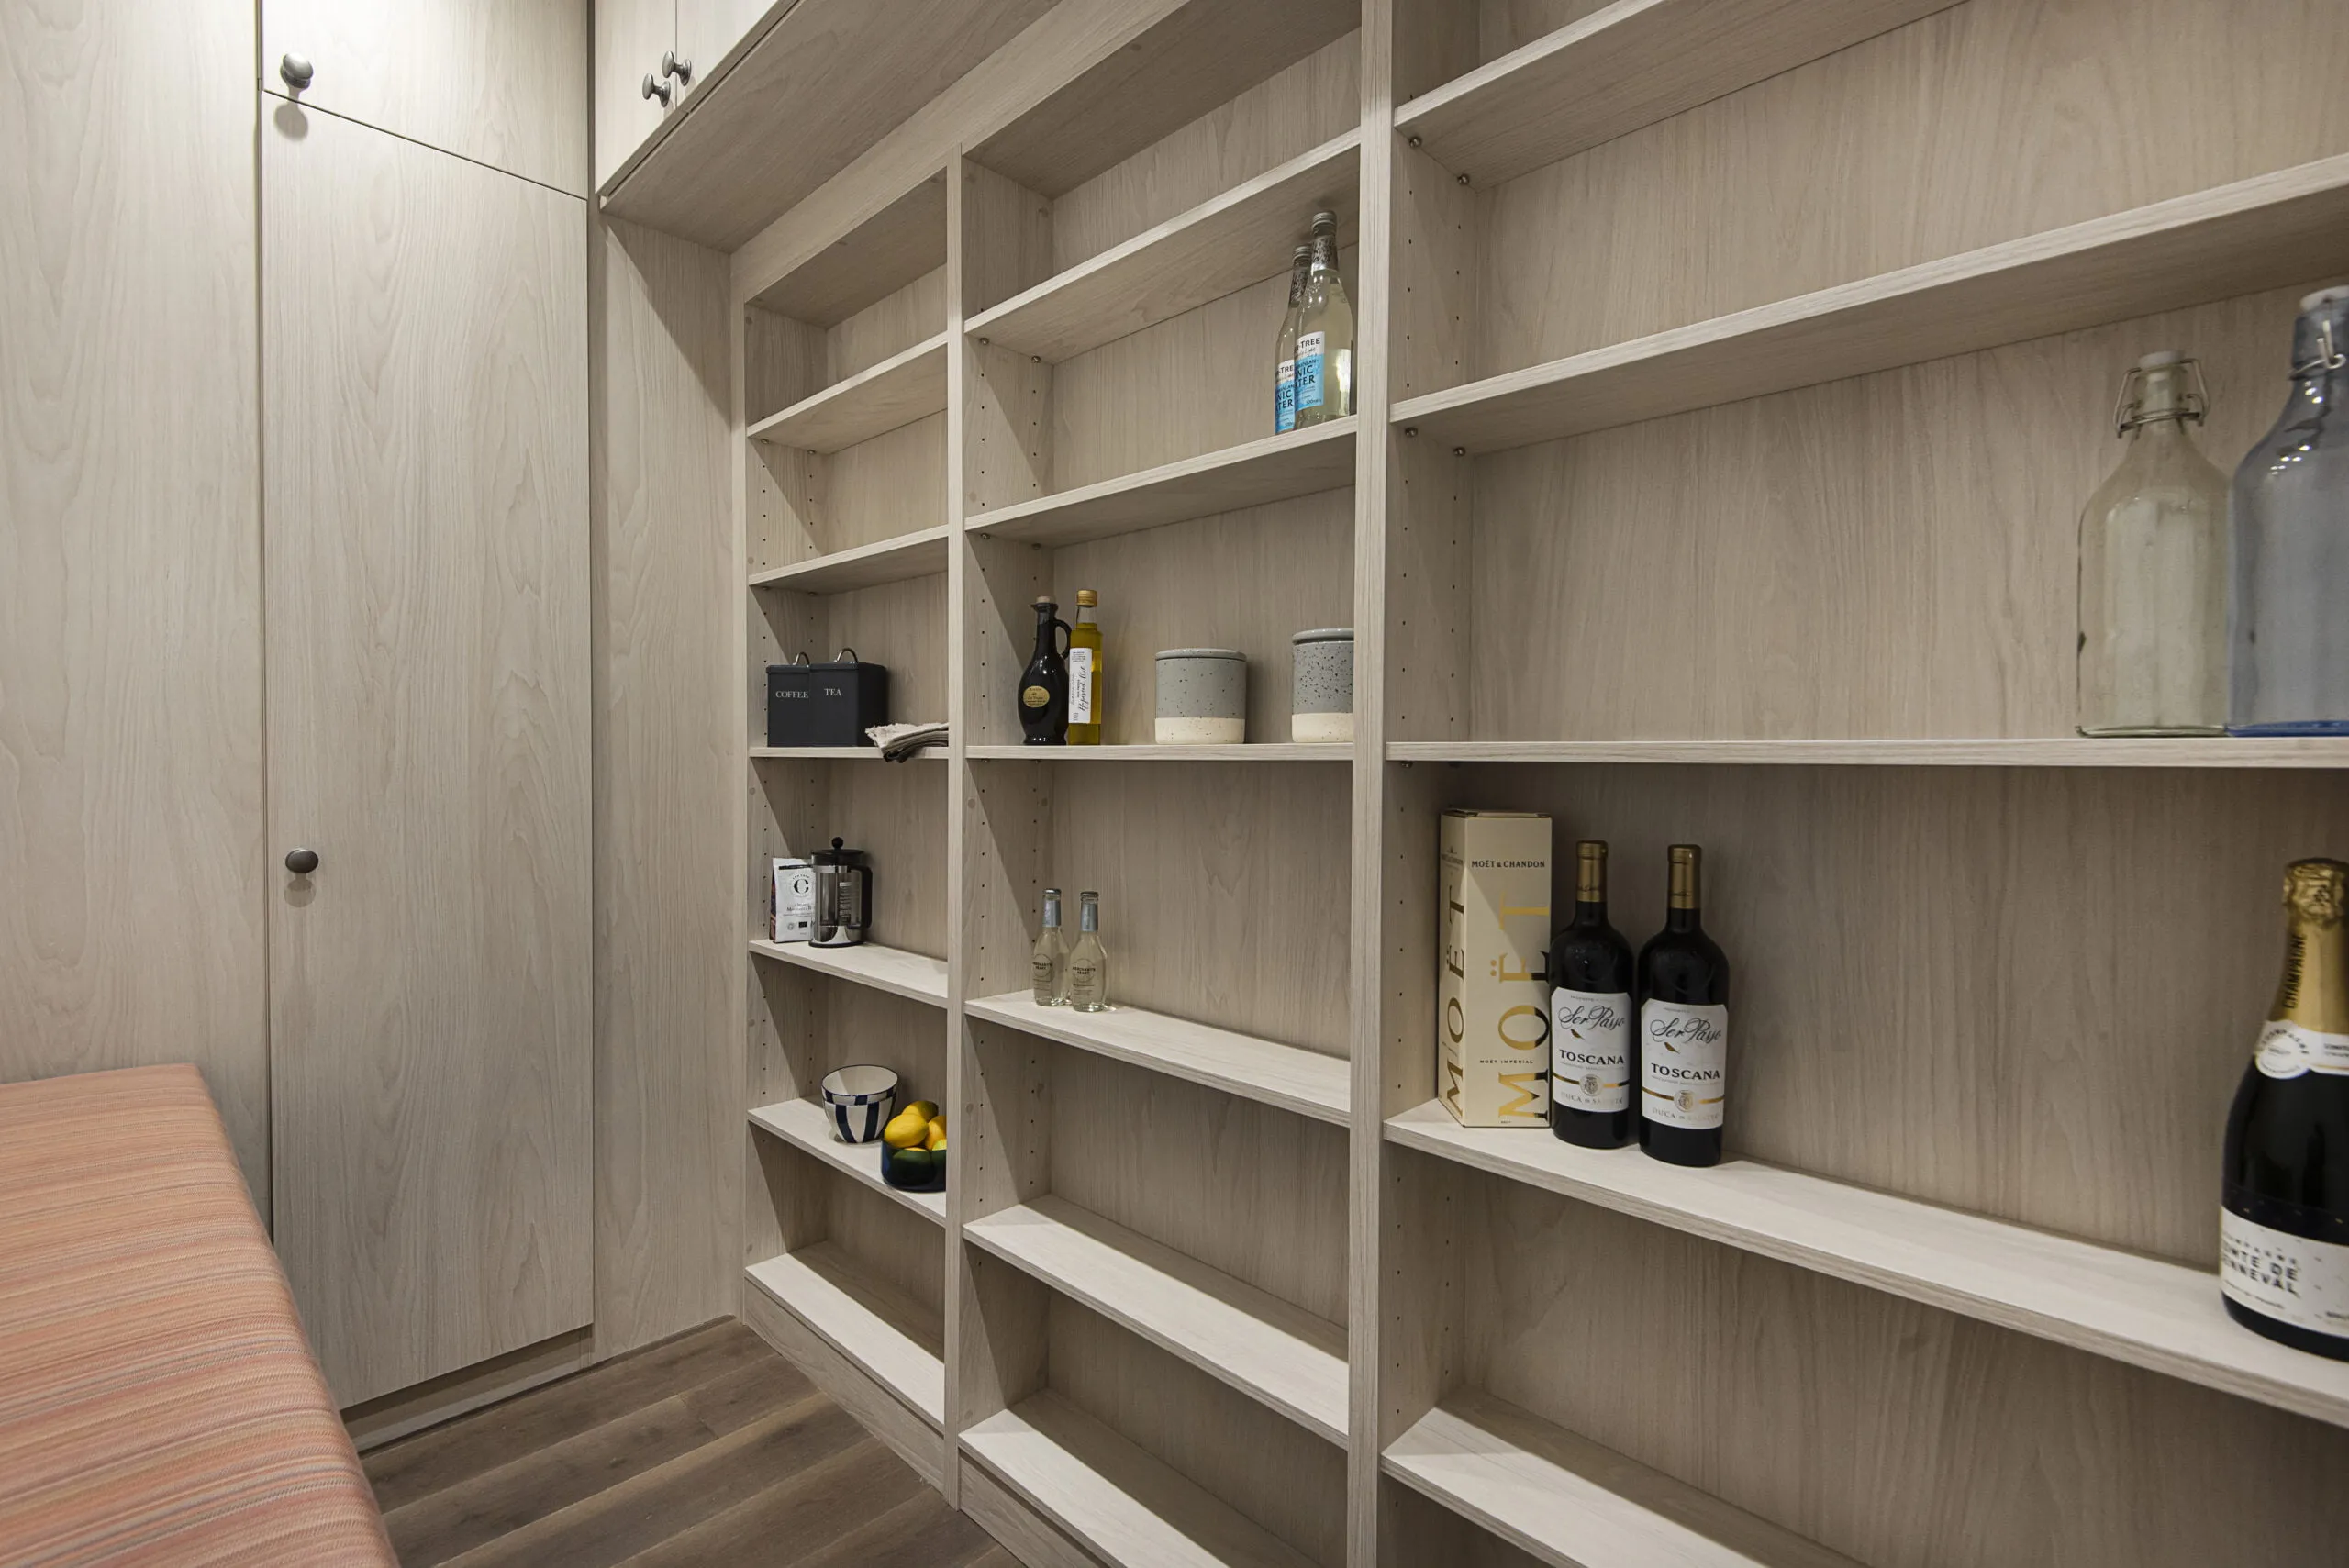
point(1202, 696)
point(1321, 685)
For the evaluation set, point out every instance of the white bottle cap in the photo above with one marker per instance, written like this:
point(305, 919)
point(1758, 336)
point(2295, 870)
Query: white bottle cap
point(2161, 359)
point(2324, 297)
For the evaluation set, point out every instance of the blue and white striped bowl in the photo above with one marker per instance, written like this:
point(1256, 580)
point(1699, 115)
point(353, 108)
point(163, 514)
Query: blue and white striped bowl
point(858, 1099)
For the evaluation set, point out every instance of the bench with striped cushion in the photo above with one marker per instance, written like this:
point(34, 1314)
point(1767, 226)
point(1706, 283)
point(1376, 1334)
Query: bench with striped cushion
point(158, 1402)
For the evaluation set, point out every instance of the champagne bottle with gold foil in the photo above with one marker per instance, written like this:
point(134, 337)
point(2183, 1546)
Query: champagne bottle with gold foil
point(1589, 970)
point(2284, 1204)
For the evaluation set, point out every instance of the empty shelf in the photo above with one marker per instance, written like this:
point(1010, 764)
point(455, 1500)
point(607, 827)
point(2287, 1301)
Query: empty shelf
point(2059, 751)
point(2260, 233)
point(896, 1339)
point(1251, 752)
point(897, 391)
point(1114, 1498)
point(897, 560)
point(1574, 1504)
point(1267, 1347)
point(1295, 1079)
point(2141, 1310)
point(884, 969)
point(1277, 468)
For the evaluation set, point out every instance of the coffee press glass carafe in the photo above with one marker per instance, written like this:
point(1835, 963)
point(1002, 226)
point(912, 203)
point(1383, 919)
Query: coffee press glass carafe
point(843, 898)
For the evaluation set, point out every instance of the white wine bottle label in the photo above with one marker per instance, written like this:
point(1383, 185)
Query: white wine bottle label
point(1080, 685)
point(1590, 1050)
point(2286, 1050)
point(1309, 369)
point(2284, 1276)
point(1684, 1064)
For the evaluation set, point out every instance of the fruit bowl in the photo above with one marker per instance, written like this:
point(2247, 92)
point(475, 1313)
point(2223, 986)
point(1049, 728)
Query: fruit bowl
point(914, 1169)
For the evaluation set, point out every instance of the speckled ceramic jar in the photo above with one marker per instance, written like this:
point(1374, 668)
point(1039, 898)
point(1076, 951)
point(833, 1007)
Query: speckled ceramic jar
point(1321, 685)
point(1202, 696)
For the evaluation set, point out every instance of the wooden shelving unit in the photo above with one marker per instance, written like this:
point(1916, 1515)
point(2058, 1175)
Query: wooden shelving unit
point(1733, 373)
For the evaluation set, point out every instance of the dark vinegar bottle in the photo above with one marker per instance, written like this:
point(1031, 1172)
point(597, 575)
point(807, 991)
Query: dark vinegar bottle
point(1591, 1016)
point(1684, 1028)
point(1043, 685)
point(2284, 1205)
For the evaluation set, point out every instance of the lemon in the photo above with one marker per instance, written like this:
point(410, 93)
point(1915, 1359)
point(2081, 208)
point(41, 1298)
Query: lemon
point(906, 1129)
point(937, 1136)
point(926, 1109)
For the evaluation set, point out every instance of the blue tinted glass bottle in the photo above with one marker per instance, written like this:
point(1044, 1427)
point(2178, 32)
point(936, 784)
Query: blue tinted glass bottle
point(2287, 626)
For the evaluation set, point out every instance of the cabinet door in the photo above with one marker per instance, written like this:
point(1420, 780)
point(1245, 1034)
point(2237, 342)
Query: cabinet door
point(426, 603)
point(707, 29)
point(631, 38)
point(504, 84)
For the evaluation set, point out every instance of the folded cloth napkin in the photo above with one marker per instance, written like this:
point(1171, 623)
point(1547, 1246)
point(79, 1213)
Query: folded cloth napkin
point(899, 741)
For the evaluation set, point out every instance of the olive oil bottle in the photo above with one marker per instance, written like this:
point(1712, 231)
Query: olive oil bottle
point(1085, 672)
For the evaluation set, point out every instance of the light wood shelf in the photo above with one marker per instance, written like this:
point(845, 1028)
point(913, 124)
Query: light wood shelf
point(1265, 1347)
point(894, 1339)
point(1573, 1504)
point(899, 560)
point(1305, 1082)
point(838, 754)
point(2259, 233)
point(807, 1127)
point(2145, 1311)
point(1194, 58)
point(1257, 473)
point(2065, 751)
point(1115, 1499)
point(1625, 66)
point(1249, 752)
point(903, 388)
point(1242, 236)
point(901, 242)
point(901, 974)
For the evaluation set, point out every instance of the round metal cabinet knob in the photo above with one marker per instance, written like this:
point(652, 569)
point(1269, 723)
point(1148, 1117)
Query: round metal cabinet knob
point(295, 70)
point(656, 88)
point(301, 862)
point(683, 70)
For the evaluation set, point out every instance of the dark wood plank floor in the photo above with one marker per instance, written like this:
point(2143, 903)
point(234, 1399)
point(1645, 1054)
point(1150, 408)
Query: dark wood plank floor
point(709, 1448)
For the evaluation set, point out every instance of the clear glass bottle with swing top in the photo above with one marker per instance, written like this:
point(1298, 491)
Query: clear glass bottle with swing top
point(2152, 584)
point(2287, 630)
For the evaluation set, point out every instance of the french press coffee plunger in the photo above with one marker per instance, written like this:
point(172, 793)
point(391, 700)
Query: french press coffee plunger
point(843, 898)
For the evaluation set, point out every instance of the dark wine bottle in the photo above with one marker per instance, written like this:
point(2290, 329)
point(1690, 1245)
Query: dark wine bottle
point(1043, 685)
point(1591, 1016)
point(2284, 1204)
point(1684, 1028)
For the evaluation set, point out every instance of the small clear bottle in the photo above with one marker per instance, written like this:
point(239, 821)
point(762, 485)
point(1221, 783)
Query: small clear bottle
point(1325, 334)
point(1285, 350)
point(2290, 513)
point(2153, 588)
point(1088, 962)
point(1047, 968)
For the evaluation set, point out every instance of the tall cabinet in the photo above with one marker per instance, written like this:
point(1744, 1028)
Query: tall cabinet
point(425, 601)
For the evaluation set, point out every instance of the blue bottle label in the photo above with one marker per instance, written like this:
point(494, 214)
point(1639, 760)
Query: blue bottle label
point(1308, 369)
point(1285, 396)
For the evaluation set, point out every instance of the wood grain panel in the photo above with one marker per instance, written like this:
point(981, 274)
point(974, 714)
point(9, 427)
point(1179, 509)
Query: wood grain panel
point(1289, 113)
point(846, 1024)
point(2023, 992)
point(130, 664)
point(1177, 1162)
point(1280, 570)
point(1223, 890)
point(1274, 1471)
point(630, 37)
point(889, 326)
point(1990, 121)
point(668, 1062)
point(429, 729)
point(1196, 383)
point(1893, 1432)
point(1893, 555)
point(505, 85)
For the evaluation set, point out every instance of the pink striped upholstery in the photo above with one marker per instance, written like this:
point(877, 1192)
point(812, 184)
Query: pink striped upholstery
point(158, 1403)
